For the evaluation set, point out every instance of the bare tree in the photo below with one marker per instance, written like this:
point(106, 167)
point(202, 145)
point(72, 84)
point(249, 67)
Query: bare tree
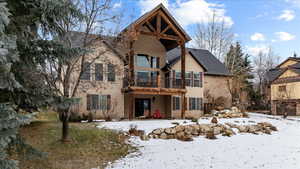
point(262, 63)
point(64, 74)
point(214, 36)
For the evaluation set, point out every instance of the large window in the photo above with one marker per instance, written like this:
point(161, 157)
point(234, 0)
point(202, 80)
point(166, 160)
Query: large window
point(195, 103)
point(177, 82)
point(111, 74)
point(147, 61)
point(86, 72)
point(146, 78)
point(98, 102)
point(176, 103)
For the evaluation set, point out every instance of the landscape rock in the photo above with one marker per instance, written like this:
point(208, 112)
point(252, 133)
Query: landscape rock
point(163, 136)
point(158, 131)
point(179, 128)
point(214, 120)
point(170, 130)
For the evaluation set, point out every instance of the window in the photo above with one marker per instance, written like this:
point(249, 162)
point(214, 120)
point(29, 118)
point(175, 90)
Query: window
point(176, 103)
point(198, 79)
point(146, 78)
point(195, 103)
point(111, 76)
point(282, 88)
point(86, 72)
point(177, 79)
point(99, 72)
point(147, 61)
point(98, 102)
point(188, 79)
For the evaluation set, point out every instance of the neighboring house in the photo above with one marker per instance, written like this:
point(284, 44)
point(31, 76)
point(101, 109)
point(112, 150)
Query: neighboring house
point(216, 76)
point(139, 79)
point(284, 87)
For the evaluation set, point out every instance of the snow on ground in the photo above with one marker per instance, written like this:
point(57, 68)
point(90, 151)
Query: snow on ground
point(281, 150)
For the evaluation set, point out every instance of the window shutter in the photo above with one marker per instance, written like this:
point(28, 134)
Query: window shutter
point(99, 72)
point(108, 102)
point(201, 103)
point(86, 72)
point(173, 78)
point(88, 102)
point(201, 79)
point(192, 80)
point(190, 103)
point(157, 64)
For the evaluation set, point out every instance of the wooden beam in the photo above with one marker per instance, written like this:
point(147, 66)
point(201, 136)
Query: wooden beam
point(173, 27)
point(165, 30)
point(131, 63)
point(161, 36)
point(152, 29)
point(158, 23)
point(182, 46)
point(148, 33)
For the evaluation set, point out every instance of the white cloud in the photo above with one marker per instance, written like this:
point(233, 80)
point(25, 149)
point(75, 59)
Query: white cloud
point(117, 5)
point(287, 15)
point(255, 50)
point(191, 11)
point(284, 36)
point(257, 37)
point(294, 2)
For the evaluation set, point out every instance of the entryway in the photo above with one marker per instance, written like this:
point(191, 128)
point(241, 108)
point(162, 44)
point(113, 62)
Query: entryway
point(142, 107)
point(288, 107)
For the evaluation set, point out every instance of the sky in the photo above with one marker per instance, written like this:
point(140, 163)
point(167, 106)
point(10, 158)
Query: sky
point(257, 24)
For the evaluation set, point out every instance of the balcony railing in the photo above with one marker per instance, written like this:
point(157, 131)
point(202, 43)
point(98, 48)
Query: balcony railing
point(154, 82)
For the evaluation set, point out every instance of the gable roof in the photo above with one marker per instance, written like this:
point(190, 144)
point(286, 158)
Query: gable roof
point(211, 65)
point(78, 37)
point(273, 74)
point(168, 15)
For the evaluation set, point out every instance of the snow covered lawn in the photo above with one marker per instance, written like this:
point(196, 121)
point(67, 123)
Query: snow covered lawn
point(281, 150)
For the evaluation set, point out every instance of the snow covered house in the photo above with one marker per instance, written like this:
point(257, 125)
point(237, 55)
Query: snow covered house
point(284, 87)
point(147, 71)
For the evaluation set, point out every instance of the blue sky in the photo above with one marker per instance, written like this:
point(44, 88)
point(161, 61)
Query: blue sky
point(258, 24)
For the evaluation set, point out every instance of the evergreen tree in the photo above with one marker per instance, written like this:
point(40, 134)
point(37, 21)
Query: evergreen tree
point(239, 66)
point(23, 24)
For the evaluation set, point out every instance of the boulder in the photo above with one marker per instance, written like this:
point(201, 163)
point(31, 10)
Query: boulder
point(179, 134)
point(188, 130)
point(170, 131)
point(179, 128)
point(210, 135)
point(235, 110)
point(217, 130)
point(158, 131)
point(163, 136)
point(243, 128)
point(228, 132)
point(214, 120)
point(204, 128)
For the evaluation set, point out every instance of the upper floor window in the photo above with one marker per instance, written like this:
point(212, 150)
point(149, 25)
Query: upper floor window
point(111, 74)
point(188, 79)
point(99, 71)
point(86, 72)
point(147, 61)
point(198, 79)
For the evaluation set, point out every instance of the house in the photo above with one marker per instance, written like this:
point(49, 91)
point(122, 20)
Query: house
point(137, 76)
point(284, 87)
point(215, 75)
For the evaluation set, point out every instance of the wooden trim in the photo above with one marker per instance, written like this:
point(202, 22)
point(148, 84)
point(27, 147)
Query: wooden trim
point(131, 63)
point(165, 30)
point(158, 23)
point(153, 91)
point(150, 26)
point(161, 36)
point(287, 80)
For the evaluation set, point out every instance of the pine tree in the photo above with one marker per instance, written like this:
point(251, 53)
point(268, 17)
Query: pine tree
point(239, 66)
point(23, 24)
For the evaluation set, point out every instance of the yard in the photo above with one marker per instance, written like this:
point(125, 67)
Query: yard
point(281, 150)
point(89, 147)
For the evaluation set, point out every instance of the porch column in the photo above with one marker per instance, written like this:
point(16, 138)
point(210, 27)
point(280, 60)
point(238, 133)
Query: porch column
point(183, 100)
point(131, 108)
point(131, 63)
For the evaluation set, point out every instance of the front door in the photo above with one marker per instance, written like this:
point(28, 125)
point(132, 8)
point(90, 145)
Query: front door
point(142, 107)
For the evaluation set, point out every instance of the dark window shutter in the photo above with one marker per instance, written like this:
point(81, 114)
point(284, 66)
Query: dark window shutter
point(192, 80)
point(111, 72)
point(157, 62)
point(201, 79)
point(173, 78)
point(173, 103)
point(88, 102)
point(99, 71)
point(190, 103)
point(108, 102)
point(86, 72)
point(201, 103)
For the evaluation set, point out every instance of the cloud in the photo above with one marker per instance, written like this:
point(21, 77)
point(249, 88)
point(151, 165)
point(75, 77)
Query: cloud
point(294, 2)
point(191, 11)
point(287, 15)
point(284, 36)
point(257, 37)
point(255, 50)
point(117, 5)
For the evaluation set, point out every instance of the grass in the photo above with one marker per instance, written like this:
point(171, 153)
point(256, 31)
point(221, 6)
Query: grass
point(90, 147)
